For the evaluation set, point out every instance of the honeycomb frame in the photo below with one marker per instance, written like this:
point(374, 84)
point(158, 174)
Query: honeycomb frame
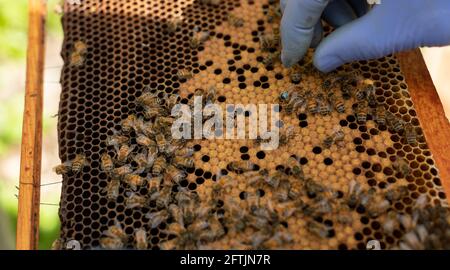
point(128, 48)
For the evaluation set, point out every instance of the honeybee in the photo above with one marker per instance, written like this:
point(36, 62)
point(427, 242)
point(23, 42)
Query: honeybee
point(295, 191)
point(173, 174)
point(312, 106)
point(395, 123)
point(62, 168)
point(161, 142)
point(153, 184)
point(271, 59)
point(107, 163)
point(173, 25)
point(287, 135)
point(364, 88)
point(156, 218)
point(134, 181)
point(112, 189)
point(211, 95)
point(168, 245)
point(144, 160)
point(152, 112)
point(318, 229)
point(296, 102)
point(371, 100)
point(337, 137)
point(253, 202)
point(80, 47)
point(274, 179)
point(159, 165)
point(78, 163)
point(123, 152)
point(235, 21)
point(354, 193)
point(337, 103)
point(346, 90)
point(148, 99)
point(241, 166)
point(361, 112)
point(111, 243)
point(182, 162)
point(313, 188)
point(215, 231)
point(391, 222)
point(282, 192)
point(172, 100)
point(123, 170)
point(380, 115)
point(401, 166)
point(276, 37)
point(140, 236)
point(116, 139)
point(416, 238)
point(266, 42)
point(410, 133)
point(185, 74)
point(135, 201)
point(143, 140)
point(294, 74)
point(198, 39)
point(116, 231)
point(184, 152)
point(76, 59)
point(176, 214)
point(377, 207)
point(128, 123)
point(58, 244)
point(344, 215)
point(162, 197)
point(397, 193)
point(273, 13)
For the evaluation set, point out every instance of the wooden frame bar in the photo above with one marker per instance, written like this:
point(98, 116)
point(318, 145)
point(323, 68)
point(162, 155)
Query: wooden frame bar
point(27, 234)
point(435, 125)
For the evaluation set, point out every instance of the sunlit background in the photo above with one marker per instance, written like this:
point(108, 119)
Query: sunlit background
point(13, 36)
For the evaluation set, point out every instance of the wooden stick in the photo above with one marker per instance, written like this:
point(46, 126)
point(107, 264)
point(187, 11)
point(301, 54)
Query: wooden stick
point(435, 125)
point(30, 160)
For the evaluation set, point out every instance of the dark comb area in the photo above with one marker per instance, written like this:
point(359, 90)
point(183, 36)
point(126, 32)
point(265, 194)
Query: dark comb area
point(357, 179)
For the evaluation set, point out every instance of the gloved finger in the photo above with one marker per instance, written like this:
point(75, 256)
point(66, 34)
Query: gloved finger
point(317, 35)
point(359, 6)
point(297, 28)
point(338, 13)
point(283, 5)
point(393, 26)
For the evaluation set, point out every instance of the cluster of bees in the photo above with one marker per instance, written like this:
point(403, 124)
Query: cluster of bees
point(425, 228)
point(349, 84)
point(145, 156)
point(78, 54)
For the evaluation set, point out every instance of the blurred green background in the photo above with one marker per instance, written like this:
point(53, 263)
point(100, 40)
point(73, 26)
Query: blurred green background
point(13, 36)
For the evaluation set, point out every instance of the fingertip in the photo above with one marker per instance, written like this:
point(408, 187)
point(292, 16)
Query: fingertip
point(326, 63)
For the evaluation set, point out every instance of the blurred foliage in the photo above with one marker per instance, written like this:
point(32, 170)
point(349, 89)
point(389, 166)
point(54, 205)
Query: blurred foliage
point(49, 221)
point(14, 24)
point(10, 123)
point(13, 33)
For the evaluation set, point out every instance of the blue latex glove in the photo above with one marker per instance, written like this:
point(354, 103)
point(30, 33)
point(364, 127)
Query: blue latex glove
point(390, 27)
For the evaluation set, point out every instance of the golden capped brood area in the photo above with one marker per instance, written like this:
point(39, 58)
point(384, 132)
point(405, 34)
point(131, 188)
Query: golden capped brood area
point(352, 165)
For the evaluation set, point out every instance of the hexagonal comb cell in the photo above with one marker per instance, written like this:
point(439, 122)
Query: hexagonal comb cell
point(354, 167)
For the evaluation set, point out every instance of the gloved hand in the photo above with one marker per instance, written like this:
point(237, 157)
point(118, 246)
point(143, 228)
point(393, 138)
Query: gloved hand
point(389, 27)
